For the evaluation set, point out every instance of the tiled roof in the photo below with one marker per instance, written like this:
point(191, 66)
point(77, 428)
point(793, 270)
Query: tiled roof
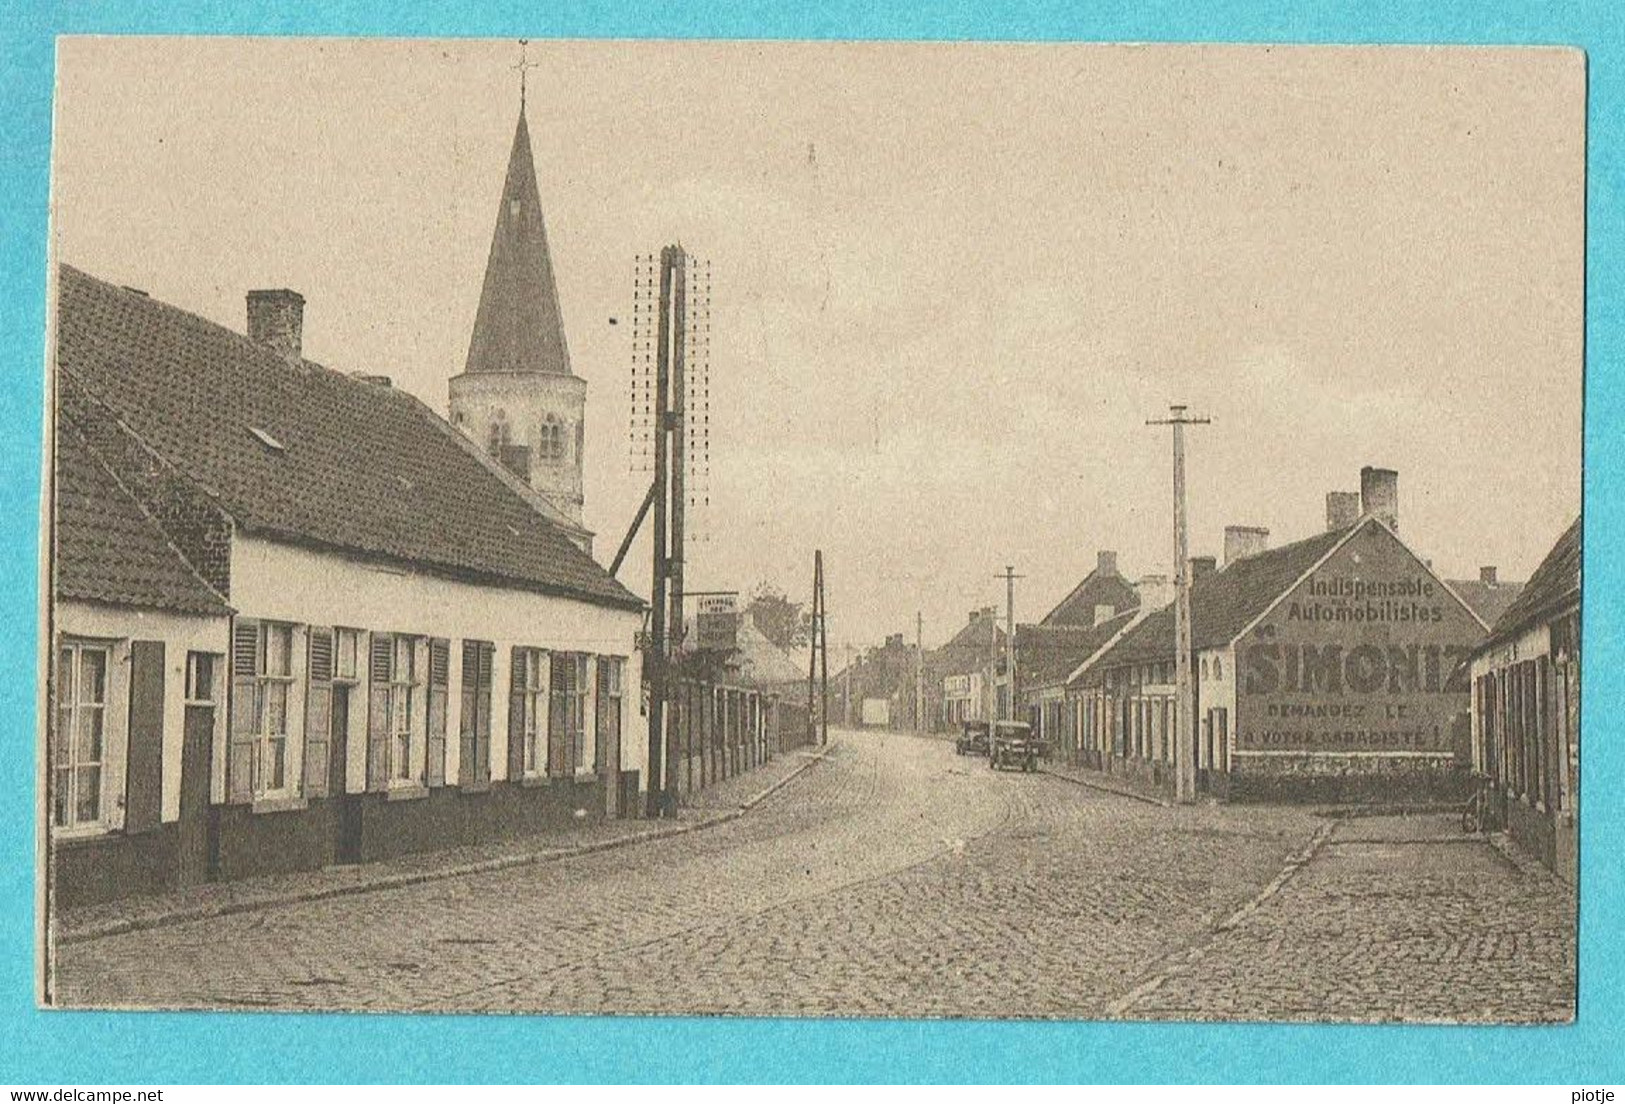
point(1554, 585)
point(519, 327)
point(1098, 588)
point(967, 652)
point(1225, 602)
point(302, 453)
point(107, 549)
point(1047, 654)
point(1488, 600)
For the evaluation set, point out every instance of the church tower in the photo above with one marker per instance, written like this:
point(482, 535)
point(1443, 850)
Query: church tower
point(517, 398)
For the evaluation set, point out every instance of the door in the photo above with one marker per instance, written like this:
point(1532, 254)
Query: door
point(347, 814)
point(192, 865)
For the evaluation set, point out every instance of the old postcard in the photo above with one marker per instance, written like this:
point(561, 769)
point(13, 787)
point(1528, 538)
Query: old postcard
point(838, 529)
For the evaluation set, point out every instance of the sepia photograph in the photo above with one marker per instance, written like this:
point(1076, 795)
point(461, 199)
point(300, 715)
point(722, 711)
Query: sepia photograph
point(909, 530)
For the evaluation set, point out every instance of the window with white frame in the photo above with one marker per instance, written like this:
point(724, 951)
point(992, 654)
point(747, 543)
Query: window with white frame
point(81, 735)
point(271, 665)
point(402, 706)
point(531, 689)
point(581, 692)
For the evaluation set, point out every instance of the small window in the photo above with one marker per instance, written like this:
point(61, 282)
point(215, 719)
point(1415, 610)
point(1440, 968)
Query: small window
point(500, 437)
point(550, 446)
point(200, 668)
point(402, 703)
point(346, 652)
point(1218, 667)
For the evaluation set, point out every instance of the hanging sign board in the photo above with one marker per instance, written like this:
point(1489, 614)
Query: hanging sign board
point(717, 623)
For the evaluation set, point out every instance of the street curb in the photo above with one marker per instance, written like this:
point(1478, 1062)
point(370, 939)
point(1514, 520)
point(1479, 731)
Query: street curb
point(1119, 1008)
point(1119, 791)
point(127, 925)
point(813, 759)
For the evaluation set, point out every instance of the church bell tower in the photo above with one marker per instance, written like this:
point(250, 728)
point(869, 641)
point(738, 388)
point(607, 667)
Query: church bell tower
point(517, 398)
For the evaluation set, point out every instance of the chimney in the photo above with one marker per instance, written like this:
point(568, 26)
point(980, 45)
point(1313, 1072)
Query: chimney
point(1244, 540)
point(1155, 591)
point(1204, 565)
point(1486, 575)
point(276, 319)
point(1342, 509)
point(1105, 563)
point(1379, 495)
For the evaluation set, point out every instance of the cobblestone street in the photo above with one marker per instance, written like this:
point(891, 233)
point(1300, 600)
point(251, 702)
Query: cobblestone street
point(895, 879)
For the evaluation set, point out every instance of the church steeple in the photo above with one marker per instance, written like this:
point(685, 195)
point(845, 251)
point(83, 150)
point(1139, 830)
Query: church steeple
point(517, 399)
point(519, 327)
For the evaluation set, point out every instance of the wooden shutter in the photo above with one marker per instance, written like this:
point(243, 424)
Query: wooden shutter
point(560, 734)
point(378, 675)
point(144, 771)
point(516, 714)
point(468, 726)
point(242, 762)
point(439, 687)
point(482, 733)
point(318, 711)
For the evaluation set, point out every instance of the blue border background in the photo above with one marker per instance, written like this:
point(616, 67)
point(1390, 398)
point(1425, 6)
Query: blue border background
point(66, 1048)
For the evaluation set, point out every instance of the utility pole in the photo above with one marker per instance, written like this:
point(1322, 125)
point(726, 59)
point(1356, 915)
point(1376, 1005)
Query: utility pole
point(1010, 578)
point(658, 653)
point(1184, 690)
point(818, 660)
point(919, 671)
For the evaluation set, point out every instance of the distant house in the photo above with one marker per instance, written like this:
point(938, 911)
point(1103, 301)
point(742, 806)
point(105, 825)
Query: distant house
point(1526, 709)
point(1329, 669)
point(1489, 595)
point(1099, 596)
point(967, 674)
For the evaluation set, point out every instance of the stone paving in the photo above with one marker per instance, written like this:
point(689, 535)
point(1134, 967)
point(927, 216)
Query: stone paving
point(896, 879)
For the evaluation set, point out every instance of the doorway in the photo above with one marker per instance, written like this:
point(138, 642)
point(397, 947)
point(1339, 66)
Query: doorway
point(347, 806)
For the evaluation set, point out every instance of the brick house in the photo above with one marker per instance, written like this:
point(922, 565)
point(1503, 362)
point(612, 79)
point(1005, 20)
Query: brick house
point(1328, 669)
point(339, 628)
point(1526, 709)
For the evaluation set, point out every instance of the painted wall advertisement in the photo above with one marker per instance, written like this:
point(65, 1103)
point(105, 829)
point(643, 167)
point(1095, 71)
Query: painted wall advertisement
point(1368, 654)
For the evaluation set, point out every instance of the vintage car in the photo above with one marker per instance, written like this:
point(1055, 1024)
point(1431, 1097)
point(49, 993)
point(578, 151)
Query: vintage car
point(972, 739)
point(1014, 745)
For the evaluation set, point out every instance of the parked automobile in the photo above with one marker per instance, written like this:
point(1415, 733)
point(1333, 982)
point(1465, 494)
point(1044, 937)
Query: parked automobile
point(1014, 745)
point(972, 739)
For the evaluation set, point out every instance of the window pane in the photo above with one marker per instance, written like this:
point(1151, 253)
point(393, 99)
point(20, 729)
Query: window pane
point(403, 755)
point(88, 795)
point(65, 676)
point(90, 734)
point(404, 671)
point(276, 707)
point(278, 647)
point(346, 658)
point(62, 738)
point(63, 781)
point(93, 675)
point(276, 751)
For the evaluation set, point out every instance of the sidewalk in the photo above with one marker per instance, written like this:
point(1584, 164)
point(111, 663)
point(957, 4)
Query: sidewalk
point(1106, 783)
point(727, 801)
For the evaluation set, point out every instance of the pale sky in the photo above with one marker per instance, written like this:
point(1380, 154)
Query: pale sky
point(950, 282)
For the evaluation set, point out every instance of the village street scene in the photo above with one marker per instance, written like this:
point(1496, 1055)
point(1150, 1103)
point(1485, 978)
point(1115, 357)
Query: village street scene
point(508, 554)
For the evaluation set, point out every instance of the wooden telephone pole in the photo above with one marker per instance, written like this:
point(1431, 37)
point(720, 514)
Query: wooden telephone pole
point(1184, 690)
point(919, 672)
point(1009, 576)
point(818, 661)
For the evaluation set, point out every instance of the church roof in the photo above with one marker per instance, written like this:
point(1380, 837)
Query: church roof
point(295, 451)
point(519, 327)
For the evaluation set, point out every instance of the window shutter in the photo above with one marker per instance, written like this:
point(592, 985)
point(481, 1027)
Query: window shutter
point(439, 687)
point(482, 734)
point(467, 770)
point(378, 675)
point(318, 711)
point(558, 716)
point(144, 773)
point(241, 760)
point(516, 715)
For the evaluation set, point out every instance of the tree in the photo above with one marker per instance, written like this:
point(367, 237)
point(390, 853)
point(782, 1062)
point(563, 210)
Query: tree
point(785, 622)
